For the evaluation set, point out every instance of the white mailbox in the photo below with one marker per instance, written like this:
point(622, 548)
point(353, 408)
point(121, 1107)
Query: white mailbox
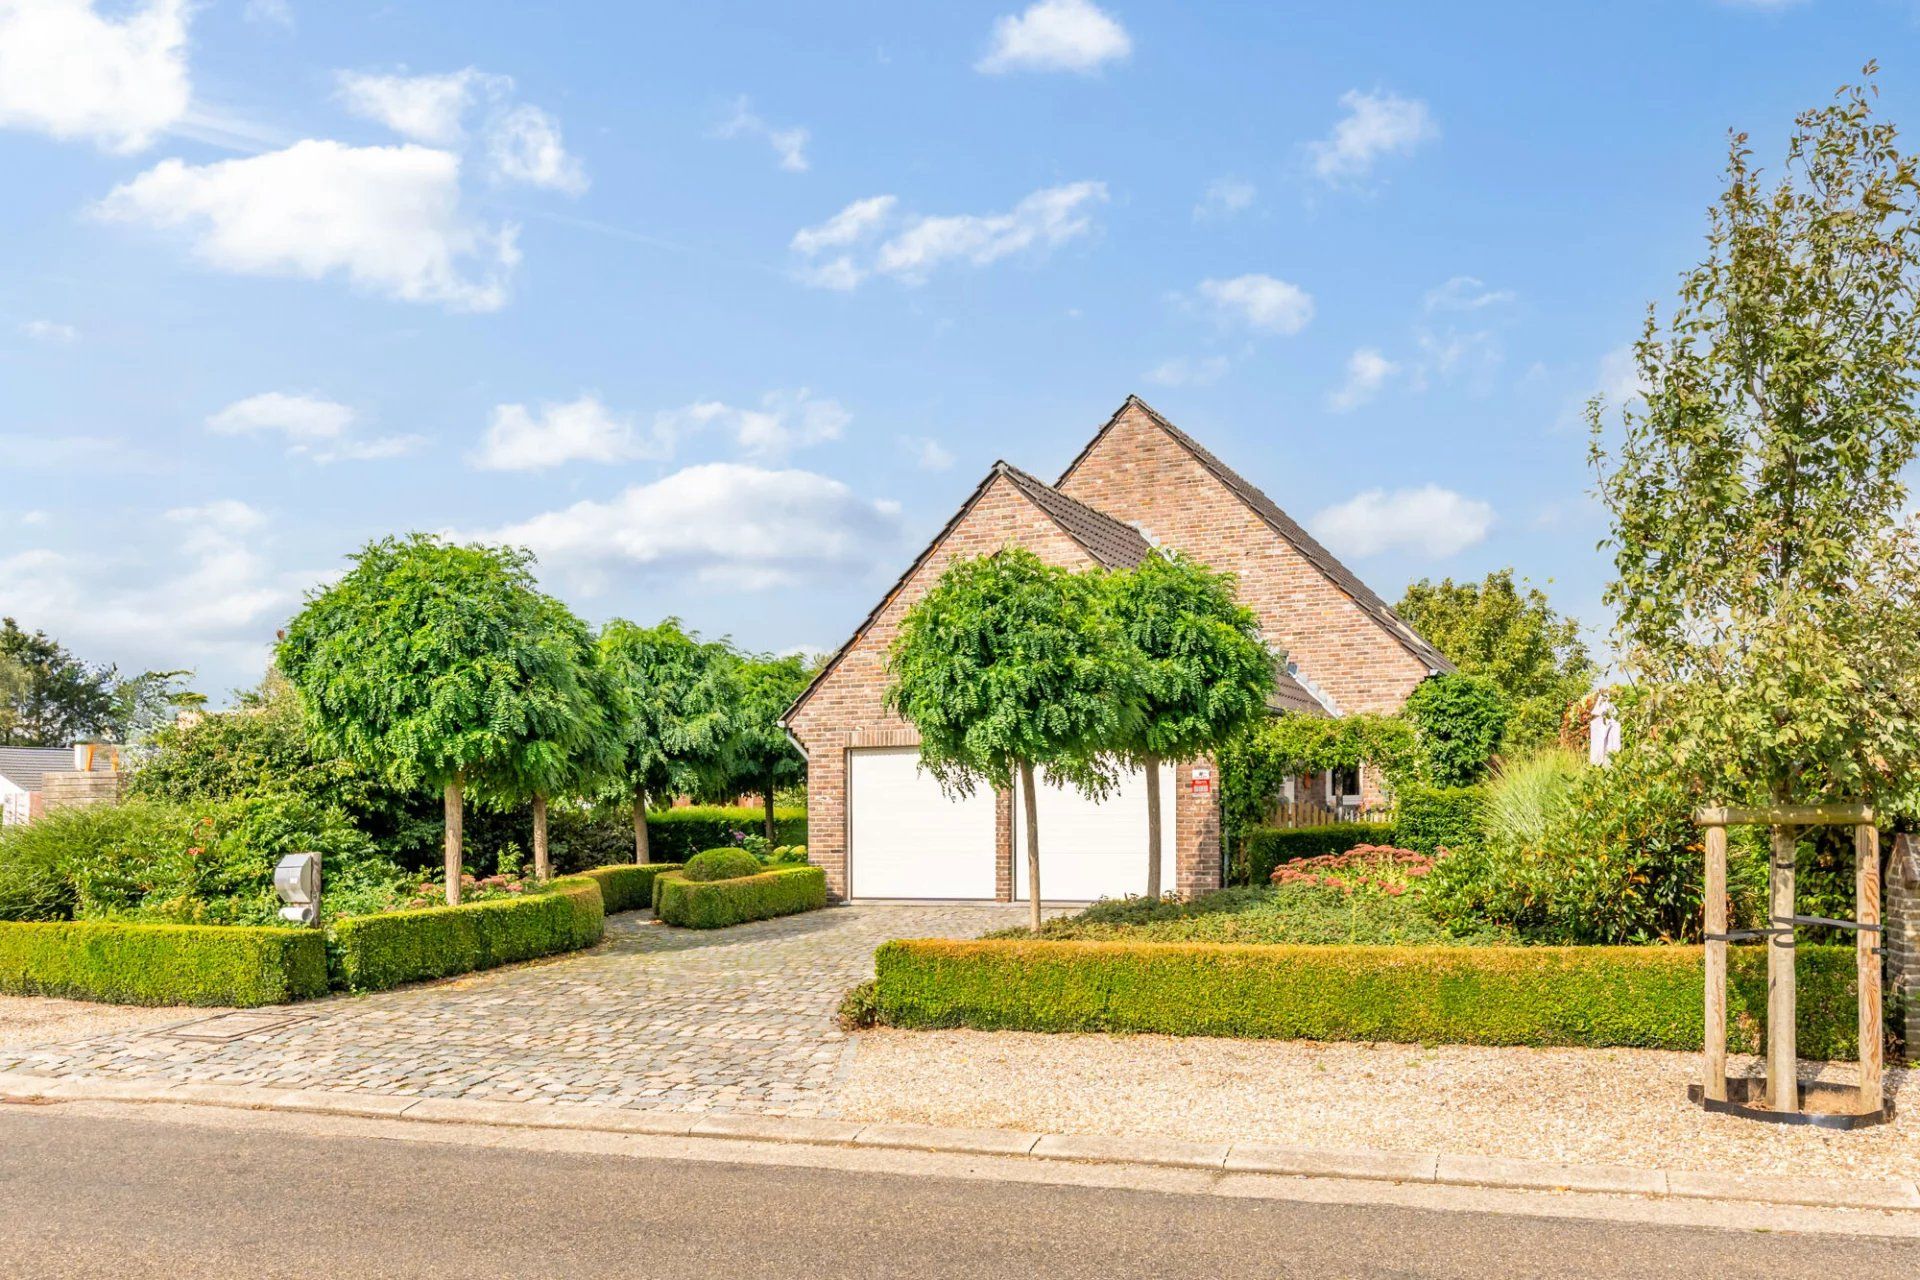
point(296, 879)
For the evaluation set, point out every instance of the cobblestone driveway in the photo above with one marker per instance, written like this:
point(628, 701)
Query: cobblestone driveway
point(728, 1020)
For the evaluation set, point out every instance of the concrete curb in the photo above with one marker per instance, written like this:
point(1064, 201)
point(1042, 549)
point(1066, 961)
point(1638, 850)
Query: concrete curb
point(1225, 1158)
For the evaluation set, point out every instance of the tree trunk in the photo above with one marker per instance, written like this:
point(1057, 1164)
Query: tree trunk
point(542, 865)
point(769, 795)
point(1153, 826)
point(642, 851)
point(455, 849)
point(1033, 846)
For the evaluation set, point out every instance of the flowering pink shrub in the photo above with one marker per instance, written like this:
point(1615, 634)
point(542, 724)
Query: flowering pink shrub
point(1366, 868)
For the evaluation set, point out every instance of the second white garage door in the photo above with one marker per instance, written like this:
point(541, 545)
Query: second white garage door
point(1089, 850)
point(907, 839)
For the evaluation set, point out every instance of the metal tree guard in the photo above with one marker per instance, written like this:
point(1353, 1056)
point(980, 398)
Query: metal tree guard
point(1829, 1105)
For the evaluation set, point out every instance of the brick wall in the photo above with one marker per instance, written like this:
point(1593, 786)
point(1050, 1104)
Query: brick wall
point(1900, 916)
point(1139, 474)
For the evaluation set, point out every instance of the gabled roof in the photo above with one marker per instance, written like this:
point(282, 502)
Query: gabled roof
point(23, 766)
point(1281, 523)
point(1113, 544)
point(1293, 697)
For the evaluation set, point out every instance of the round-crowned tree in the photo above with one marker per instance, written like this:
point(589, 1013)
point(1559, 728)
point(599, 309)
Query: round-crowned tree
point(1204, 673)
point(428, 662)
point(1008, 664)
point(670, 720)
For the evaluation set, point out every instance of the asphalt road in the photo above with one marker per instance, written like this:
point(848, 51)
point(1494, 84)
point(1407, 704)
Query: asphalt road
point(84, 1196)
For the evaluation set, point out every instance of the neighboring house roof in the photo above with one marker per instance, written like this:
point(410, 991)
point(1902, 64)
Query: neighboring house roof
point(1284, 525)
point(23, 766)
point(1113, 544)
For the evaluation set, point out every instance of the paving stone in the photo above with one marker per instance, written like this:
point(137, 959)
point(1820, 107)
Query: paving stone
point(652, 1021)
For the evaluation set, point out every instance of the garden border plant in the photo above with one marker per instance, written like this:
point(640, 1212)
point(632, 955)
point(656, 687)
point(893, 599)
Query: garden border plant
point(373, 953)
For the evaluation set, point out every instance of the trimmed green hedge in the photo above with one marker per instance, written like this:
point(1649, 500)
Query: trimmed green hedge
point(1642, 997)
point(721, 864)
point(372, 953)
point(1433, 818)
point(627, 886)
point(1264, 848)
point(162, 963)
point(674, 835)
point(713, 904)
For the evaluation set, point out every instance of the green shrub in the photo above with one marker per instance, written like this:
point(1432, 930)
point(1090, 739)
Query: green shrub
point(1641, 997)
point(777, 891)
point(1429, 819)
point(722, 864)
point(1458, 722)
point(162, 964)
point(1264, 848)
point(627, 886)
point(674, 835)
point(33, 884)
point(372, 953)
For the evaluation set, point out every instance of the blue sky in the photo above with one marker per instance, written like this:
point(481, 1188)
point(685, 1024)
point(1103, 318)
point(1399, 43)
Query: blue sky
point(724, 308)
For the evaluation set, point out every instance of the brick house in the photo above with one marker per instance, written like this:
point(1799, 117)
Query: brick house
point(881, 829)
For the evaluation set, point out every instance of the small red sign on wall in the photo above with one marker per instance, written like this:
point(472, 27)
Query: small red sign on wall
point(1202, 782)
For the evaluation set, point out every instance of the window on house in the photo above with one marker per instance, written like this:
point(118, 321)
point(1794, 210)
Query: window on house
point(1343, 783)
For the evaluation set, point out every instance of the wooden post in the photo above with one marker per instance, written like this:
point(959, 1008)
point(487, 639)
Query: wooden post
point(1868, 945)
point(1715, 1084)
point(1783, 1058)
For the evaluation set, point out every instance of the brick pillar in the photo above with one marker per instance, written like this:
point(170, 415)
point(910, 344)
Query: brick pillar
point(1194, 848)
point(1900, 915)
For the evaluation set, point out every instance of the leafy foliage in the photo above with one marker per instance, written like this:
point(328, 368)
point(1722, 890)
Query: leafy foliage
point(373, 953)
point(161, 964)
point(1255, 764)
point(1430, 819)
point(1458, 723)
point(671, 698)
point(758, 756)
point(1261, 849)
point(1514, 638)
point(49, 698)
point(1765, 580)
point(564, 741)
point(1306, 914)
point(722, 864)
point(775, 891)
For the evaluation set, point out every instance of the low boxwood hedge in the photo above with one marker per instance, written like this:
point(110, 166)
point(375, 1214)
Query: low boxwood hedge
point(628, 886)
point(162, 963)
point(372, 953)
point(674, 835)
point(713, 904)
point(1642, 997)
point(1264, 848)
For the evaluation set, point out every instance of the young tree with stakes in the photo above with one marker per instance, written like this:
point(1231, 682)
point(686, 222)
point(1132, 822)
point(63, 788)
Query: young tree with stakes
point(670, 714)
point(1007, 665)
point(424, 663)
point(1204, 673)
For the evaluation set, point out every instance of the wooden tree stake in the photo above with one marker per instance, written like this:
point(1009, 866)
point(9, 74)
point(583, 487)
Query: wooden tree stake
point(1715, 1085)
point(1783, 1058)
point(1867, 948)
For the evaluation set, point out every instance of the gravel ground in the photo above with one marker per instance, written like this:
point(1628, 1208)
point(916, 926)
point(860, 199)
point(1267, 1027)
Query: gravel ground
point(29, 1022)
point(1586, 1106)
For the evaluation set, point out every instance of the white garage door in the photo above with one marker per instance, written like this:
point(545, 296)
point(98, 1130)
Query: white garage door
point(907, 839)
point(1089, 850)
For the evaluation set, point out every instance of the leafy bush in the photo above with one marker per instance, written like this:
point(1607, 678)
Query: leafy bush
point(722, 864)
point(373, 953)
point(1643, 997)
point(1293, 913)
point(674, 835)
point(162, 964)
point(1255, 765)
point(1264, 848)
point(627, 886)
point(860, 1007)
point(780, 891)
point(785, 855)
point(33, 883)
point(1458, 722)
point(1429, 819)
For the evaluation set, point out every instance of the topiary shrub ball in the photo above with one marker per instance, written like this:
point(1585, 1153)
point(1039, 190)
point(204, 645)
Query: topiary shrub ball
point(722, 864)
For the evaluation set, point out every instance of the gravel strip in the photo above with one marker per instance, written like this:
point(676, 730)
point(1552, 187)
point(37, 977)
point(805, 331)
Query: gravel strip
point(1576, 1106)
point(32, 1022)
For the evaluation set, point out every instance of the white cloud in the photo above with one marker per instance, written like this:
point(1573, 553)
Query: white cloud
point(789, 144)
point(523, 145)
point(71, 72)
point(427, 108)
point(1223, 198)
point(1428, 521)
point(922, 244)
point(1376, 125)
point(49, 331)
point(388, 218)
point(585, 430)
point(312, 426)
point(1367, 372)
point(1260, 302)
point(1188, 371)
point(1056, 35)
point(724, 525)
point(927, 453)
point(1466, 293)
point(272, 13)
point(1472, 357)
